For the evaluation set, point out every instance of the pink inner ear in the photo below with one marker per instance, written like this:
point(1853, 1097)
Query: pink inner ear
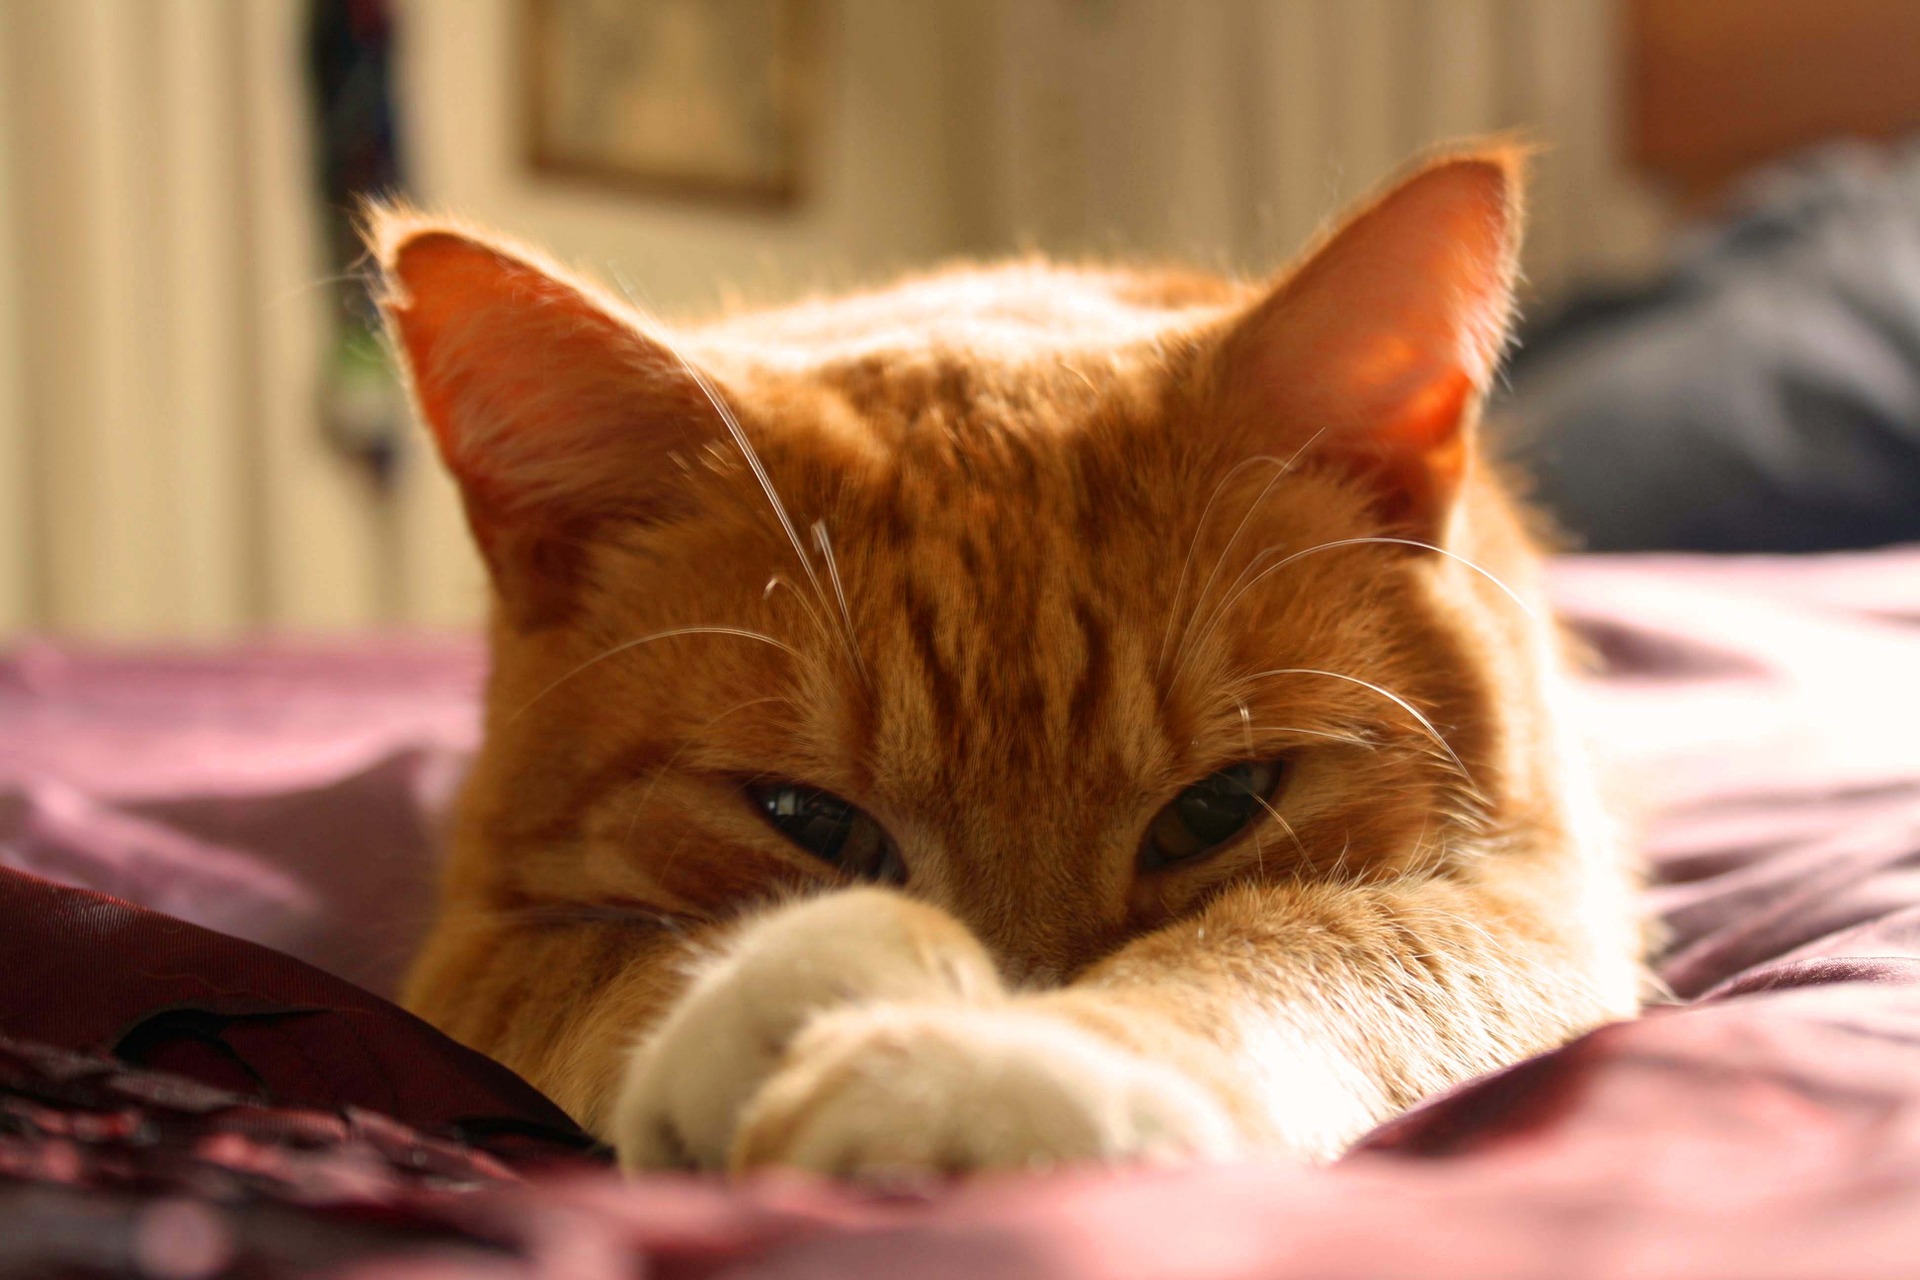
point(544, 400)
point(1424, 278)
point(1429, 421)
point(481, 332)
point(1387, 336)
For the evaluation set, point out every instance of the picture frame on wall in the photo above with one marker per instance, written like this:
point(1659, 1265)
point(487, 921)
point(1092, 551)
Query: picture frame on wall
point(697, 99)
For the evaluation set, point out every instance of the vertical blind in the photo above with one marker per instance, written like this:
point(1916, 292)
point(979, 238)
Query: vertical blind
point(162, 316)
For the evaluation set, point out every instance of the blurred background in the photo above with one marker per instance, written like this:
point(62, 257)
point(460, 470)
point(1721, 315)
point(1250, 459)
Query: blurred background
point(196, 439)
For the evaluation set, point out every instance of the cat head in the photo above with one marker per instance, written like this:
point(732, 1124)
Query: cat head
point(1062, 597)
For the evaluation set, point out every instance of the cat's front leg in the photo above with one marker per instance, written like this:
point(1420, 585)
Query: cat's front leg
point(687, 1083)
point(1281, 1020)
point(861, 1033)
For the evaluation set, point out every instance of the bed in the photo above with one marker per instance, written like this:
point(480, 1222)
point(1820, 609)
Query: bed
point(213, 864)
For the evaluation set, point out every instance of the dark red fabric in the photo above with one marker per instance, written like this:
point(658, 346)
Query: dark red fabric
point(85, 972)
point(1760, 714)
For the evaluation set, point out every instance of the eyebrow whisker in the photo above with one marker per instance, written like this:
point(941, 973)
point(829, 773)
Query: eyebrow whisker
point(741, 633)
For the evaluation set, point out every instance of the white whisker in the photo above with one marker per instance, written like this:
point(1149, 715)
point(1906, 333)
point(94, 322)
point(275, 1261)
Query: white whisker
point(839, 592)
point(739, 436)
point(1193, 544)
point(1206, 588)
point(779, 580)
point(1286, 827)
point(1246, 728)
point(1386, 693)
point(1241, 589)
point(1350, 739)
point(1454, 556)
point(1200, 599)
point(738, 632)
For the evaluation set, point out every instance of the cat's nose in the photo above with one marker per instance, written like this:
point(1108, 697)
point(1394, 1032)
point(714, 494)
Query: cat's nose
point(1041, 939)
point(1029, 972)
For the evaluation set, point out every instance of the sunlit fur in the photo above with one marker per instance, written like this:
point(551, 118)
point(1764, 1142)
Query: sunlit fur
point(1050, 545)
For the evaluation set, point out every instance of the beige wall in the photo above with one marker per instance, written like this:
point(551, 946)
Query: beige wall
point(15, 590)
point(162, 315)
point(880, 187)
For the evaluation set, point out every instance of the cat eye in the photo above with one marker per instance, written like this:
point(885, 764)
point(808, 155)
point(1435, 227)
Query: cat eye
point(831, 829)
point(1211, 812)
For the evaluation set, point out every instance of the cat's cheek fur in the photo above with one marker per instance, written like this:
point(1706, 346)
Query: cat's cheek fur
point(875, 1091)
point(687, 1083)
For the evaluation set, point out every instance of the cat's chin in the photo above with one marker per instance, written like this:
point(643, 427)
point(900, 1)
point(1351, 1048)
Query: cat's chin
point(865, 1035)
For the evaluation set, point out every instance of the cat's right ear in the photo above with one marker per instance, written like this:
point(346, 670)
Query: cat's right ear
point(551, 404)
point(1383, 344)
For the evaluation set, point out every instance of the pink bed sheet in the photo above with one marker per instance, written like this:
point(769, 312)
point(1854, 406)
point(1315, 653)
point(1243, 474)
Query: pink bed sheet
point(1761, 717)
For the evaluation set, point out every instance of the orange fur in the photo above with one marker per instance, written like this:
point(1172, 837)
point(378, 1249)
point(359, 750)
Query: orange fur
point(1091, 535)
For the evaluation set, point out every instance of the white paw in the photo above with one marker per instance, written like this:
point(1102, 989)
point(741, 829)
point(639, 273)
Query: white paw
point(891, 1090)
point(688, 1082)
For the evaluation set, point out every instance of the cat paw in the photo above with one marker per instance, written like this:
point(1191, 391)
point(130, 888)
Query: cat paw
point(887, 1091)
point(688, 1082)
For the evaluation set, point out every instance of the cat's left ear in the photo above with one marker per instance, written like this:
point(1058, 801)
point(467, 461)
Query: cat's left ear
point(556, 408)
point(1380, 348)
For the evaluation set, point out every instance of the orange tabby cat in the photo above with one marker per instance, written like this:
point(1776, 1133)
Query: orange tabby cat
point(1027, 714)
